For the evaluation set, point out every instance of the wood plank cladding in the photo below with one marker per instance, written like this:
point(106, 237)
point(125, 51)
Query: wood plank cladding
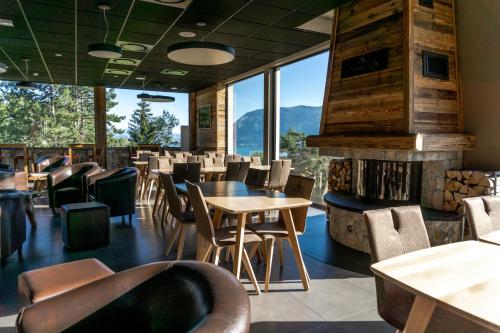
point(397, 100)
point(213, 138)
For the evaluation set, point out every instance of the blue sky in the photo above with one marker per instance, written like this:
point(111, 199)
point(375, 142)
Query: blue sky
point(302, 83)
point(127, 103)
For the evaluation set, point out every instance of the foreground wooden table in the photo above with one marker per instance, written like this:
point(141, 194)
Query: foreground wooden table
point(238, 199)
point(461, 277)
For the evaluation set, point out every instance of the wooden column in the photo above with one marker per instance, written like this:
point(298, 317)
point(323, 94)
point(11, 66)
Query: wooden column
point(100, 124)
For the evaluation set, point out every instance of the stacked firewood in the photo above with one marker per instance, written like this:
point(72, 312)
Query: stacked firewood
point(460, 184)
point(340, 175)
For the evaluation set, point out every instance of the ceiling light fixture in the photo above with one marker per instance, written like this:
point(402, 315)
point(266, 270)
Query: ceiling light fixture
point(58, 54)
point(187, 34)
point(26, 84)
point(104, 50)
point(201, 53)
point(174, 88)
point(3, 68)
point(200, 23)
point(6, 23)
point(35, 74)
point(154, 98)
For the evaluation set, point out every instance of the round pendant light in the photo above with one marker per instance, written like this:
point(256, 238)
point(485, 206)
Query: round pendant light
point(201, 53)
point(3, 68)
point(28, 85)
point(104, 50)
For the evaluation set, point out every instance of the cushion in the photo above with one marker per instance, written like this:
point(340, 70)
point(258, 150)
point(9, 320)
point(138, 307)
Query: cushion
point(43, 283)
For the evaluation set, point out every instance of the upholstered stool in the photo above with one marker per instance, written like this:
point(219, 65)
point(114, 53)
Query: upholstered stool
point(85, 225)
point(39, 284)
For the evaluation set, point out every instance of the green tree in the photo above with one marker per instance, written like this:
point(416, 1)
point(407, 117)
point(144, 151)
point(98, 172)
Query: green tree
point(164, 126)
point(142, 127)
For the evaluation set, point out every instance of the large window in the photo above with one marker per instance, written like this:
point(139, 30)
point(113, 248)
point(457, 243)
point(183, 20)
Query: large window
point(301, 87)
point(246, 115)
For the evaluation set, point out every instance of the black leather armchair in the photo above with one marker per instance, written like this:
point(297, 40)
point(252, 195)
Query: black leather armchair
point(65, 185)
point(49, 164)
point(115, 188)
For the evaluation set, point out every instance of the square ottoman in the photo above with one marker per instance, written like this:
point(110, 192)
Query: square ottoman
point(85, 225)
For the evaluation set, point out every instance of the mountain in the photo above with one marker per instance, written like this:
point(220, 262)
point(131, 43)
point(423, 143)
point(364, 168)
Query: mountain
point(301, 118)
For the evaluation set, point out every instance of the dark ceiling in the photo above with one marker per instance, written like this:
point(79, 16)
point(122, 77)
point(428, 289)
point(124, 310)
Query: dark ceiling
point(261, 31)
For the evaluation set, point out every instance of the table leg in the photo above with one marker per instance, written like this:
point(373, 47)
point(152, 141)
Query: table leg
point(420, 315)
point(238, 247)
point(294, 243)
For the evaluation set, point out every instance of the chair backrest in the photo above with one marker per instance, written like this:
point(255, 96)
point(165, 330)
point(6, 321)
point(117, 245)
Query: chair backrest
point(192, 159)
point(257, 178)
point(153, 163)
point(255, 161)
point(280, 170)
point(231, 158)
point(179, 155)
point(174, 203)
point(186, 171)
point(301, 187)
point(218, 162)
point(208, 162)
point(220, 155)
point(166, 153)
point(483, 215)
point(204, 224)
point(210, 154)
point(393, 232)
point(172, 161)
point(246, 159)
point(145, 156)
point(163, 162)
point(237, 171)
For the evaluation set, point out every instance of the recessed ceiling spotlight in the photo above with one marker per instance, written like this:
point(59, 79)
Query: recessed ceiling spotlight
point(6, 23)
point(35, 74)
point(58, 54)
point(3, 68)
point(201, 23)
point(115, 75)
point(170, 1)
point(125, 61)
point(140, 78)
point(134, 47)
point(174, 88)
point(187, 34)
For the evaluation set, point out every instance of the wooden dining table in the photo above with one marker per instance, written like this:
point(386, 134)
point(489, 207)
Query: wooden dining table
point(463, 278)
point(237, 198)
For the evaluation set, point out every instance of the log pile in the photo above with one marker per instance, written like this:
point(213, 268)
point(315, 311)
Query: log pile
point(340, 175)
point(460, 184)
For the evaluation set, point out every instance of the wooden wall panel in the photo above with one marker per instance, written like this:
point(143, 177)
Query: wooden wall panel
point(398, 99)
point(372, 102)
point(214, 138)
point(436, 103)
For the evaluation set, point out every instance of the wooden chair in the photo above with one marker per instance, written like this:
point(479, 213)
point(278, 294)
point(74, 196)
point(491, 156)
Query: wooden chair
point(297, 186)
point(183, 218)
point(280, 170)
point(257, 178)
point(218, 162)
point(217, 239)
point(483, 216)
point(246, 159)
point(232, 158)
point(393, 232)
point(255, 161)
point(186, 171)
point(237, 171)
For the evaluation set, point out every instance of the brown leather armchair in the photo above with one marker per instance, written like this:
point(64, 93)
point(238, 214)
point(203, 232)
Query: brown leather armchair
point(49, 164)
point(115, 188)
point(160, 297)
point(65, 185)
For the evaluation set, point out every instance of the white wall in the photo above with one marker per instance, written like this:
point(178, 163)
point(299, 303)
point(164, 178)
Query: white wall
point(478, 23)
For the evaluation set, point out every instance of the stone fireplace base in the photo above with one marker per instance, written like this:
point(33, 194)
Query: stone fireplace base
point(347, 226)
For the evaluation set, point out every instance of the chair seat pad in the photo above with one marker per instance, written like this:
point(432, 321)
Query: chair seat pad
point(269, 230)
point(43, 283)
point(188, 217)
point(227, 236)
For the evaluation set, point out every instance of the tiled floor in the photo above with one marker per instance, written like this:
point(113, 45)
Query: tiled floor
point(339, 300)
